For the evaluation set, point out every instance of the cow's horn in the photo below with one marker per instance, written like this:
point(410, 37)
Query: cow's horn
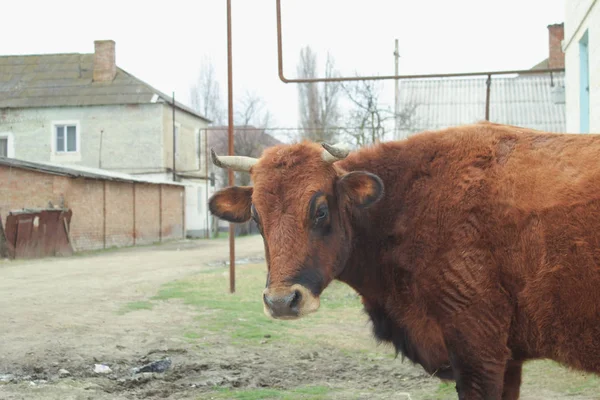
point(334, 153)
point(236, 163)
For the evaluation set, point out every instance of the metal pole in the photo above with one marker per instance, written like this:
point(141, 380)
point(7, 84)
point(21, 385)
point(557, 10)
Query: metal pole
point(174, 142)
point(230, 139)
point(207, 235)
point(384, 77)
point(100, 149)
point(104, 214)
point(160, 226)
point(134, 210)
point(488, 84)
point(396, 104)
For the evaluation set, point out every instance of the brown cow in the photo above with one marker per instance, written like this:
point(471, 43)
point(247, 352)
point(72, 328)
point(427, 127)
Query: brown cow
point(474, 248)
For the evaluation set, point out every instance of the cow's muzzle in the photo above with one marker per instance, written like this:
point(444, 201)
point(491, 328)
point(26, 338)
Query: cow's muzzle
point(289, 302)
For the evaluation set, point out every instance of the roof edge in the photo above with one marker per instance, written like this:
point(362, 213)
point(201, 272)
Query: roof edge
point(166, 98)
point(70, 172)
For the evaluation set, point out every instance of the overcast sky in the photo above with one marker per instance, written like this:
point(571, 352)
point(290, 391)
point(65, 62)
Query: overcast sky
point(163, 43)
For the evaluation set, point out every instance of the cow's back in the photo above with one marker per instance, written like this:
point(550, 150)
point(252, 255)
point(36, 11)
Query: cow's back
point(489, 206)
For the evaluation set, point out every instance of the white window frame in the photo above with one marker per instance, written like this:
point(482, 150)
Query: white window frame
point(75, 123)
point(10, 145)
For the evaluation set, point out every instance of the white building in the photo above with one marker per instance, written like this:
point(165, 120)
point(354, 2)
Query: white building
point(81, 109)
point(582, 61)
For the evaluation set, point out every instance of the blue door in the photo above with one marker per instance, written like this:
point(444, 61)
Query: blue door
point(584, 85)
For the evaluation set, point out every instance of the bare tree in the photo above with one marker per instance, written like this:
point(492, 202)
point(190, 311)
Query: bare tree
point(205, 98)
point(408, 121)
point(205, 94)
point(368, 120)
point(319, 111)
point(367, 117)
point(251, 110)
point(251, 121)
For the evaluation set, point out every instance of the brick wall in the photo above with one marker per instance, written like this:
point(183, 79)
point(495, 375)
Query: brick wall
point(99, 207)
point(172, 217)
point(147, 215)
point(556, 33)
point(85, 198)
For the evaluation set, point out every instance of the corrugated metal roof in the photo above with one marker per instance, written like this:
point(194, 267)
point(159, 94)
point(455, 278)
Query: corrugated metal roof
point(526, 100)
point(78, 171)
point(58, 80)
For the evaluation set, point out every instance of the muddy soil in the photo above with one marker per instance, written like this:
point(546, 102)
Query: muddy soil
point(196, 372)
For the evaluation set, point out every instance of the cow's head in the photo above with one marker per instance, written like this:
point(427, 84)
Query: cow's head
point(304, 205)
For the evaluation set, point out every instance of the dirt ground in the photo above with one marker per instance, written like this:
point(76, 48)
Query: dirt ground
point(65, 314)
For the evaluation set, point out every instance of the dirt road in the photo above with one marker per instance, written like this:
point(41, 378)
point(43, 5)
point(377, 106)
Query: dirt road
point(54, 310)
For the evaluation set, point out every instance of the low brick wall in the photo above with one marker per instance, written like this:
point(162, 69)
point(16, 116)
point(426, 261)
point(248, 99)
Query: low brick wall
point(105, 213)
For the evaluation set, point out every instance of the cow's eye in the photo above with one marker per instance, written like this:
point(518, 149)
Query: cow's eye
point(321, 214)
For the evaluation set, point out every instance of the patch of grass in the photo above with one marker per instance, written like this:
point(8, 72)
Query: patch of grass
point(135, 306)
point(221, 235)
point(240, 314)
point(192, 335)
point(554, 377)
point(304, 393)
point(446, 390)
point(339, 323)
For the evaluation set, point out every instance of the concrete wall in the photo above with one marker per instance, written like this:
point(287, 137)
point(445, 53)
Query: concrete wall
point(127, 138)
point(105, 213)
point(197, 223)
point(576, 24)
point(191, 147)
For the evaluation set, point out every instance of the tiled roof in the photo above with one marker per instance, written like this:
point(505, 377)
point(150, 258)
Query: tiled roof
point(533, 101)
point(56, 80)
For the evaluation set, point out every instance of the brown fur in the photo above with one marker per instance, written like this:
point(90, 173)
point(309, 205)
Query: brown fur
point(484, 251)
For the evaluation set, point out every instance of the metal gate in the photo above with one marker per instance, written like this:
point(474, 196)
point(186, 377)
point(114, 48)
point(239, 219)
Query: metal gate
point(38, 233)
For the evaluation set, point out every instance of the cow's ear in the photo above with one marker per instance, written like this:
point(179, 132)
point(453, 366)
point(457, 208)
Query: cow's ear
point(232, 204)
point(362, 189)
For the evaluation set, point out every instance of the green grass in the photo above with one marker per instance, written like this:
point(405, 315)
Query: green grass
point(191, 335)
point(136, 306)
point(241, 314)
point(552, 376)
point(340, 323)
point(305, 393)
point(446, 390)
point(221, 235)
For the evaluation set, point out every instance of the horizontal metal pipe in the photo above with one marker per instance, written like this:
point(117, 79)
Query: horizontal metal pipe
point(387, 77)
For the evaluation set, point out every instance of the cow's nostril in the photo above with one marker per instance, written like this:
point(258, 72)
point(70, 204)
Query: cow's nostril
point(296, 297)
point(267, 300)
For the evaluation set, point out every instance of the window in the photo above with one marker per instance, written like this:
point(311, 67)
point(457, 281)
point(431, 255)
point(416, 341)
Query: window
point(3, 147)
point(7, 144)
point(66, 138)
